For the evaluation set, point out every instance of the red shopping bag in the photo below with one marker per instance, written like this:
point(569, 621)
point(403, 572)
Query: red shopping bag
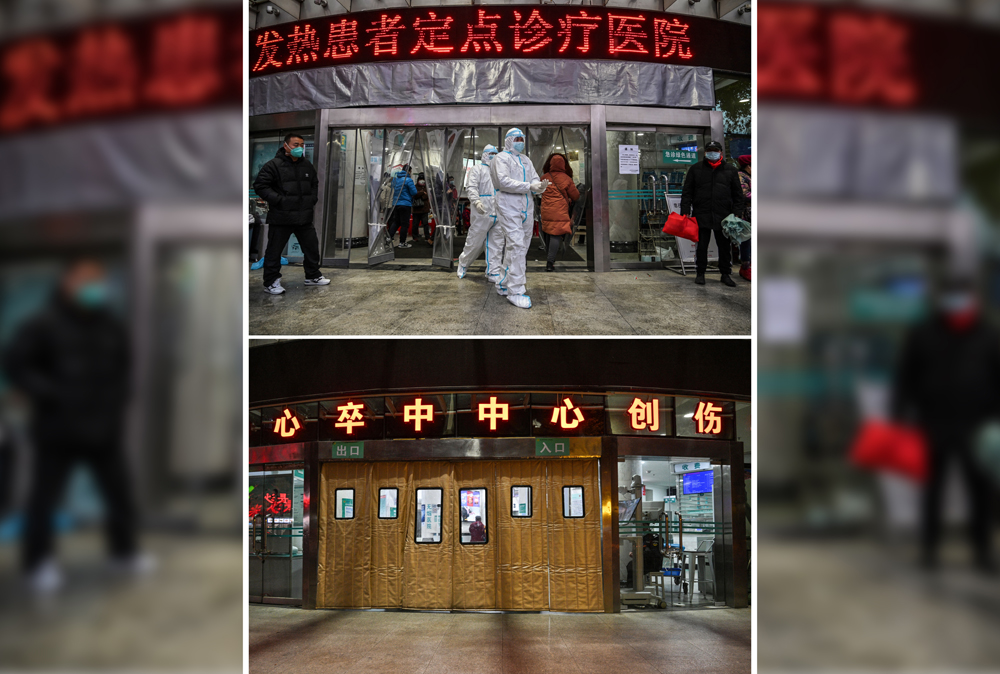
point(893, 448)
point(683, 226)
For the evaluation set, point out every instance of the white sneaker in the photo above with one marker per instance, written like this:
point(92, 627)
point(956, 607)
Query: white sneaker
point(275, 288)
point(318, 281)
point(522, 301)
point(46, 579)
point(461, 270)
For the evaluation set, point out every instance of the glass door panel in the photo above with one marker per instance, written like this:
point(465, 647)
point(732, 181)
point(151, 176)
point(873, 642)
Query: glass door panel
point(276, 535)
point(639, 203)
point(442, 156)
point(571, 142)
point(344, 195)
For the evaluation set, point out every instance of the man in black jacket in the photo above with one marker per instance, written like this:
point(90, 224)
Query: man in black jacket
point(711, 192)
point(72, 363)
point(948, 382)
point(289, 185)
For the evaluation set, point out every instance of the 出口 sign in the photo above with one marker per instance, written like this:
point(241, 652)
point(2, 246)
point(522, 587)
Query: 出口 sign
point(511, 31)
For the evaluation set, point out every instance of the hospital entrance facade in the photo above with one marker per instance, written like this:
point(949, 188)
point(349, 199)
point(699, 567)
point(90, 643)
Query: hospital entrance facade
point(493, 500)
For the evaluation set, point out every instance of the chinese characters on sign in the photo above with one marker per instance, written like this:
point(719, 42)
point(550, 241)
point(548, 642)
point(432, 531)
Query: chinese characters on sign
point(172, 61)
point(348, 450)
point(847, 56)
point(561, 415)
point(350, 416)
point(645, 415)
point(287, 424)
point(709, 418)
point(470, 32)
point(493, 411)
point(278, 503)
point(418, 413)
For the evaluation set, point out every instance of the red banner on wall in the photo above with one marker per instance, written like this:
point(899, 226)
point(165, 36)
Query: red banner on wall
point(500, 31)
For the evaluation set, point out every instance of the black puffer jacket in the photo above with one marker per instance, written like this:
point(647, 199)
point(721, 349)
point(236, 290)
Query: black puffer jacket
point(712, 194)
point(290, 188)
point(74, 366)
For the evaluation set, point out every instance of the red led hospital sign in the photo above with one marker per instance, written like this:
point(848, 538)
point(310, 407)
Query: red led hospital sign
point(172, 61)
point(506, 31)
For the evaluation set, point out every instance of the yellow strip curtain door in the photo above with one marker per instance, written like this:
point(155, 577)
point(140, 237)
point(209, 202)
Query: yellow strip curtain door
point(542, 548)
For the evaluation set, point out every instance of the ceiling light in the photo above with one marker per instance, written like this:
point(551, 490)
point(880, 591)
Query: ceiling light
point(744, 100)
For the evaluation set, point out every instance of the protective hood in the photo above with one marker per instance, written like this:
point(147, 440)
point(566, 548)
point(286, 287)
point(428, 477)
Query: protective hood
point(557, 165)
point(487, 151)
point(508, 140)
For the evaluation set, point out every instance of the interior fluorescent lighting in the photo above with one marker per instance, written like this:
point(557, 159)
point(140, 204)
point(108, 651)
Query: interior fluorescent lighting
point(689, 415)
point(744, 100)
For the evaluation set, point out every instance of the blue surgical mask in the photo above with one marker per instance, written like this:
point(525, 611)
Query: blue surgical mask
point(519, 147)
point(92, 295)
point(298, 152)
point(713, 156)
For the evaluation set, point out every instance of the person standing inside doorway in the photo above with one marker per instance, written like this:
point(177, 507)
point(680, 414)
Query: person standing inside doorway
point(477, 531)
point(289, 185)
point(515, 180)
point(557, 205)
point(421, 207)
point(403, 192)
point(712, 192)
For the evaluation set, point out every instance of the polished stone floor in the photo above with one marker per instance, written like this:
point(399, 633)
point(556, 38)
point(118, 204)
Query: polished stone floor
point(430, 301)
point(292, 640)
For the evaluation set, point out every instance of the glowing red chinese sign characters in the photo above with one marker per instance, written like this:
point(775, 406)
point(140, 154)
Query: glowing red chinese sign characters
point(287, 424)
point(418, 413)
point(494, 411)
point(278, 503)
point(560, 415)
point(645, 415)
point(546, 31)
point(708, 418)
point(183, 59)
point(350, 416)
point(848, 56)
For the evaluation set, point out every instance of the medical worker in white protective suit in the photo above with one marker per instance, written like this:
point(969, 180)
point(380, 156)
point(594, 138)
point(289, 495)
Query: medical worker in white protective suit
point(515, 179)
point(483, 228)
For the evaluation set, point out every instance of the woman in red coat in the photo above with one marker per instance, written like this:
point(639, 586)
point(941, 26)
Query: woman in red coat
point(557, 205)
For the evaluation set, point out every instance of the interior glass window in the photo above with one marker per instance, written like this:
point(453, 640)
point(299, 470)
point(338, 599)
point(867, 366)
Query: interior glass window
point(388, 503)
point(572, 501)
point(344, 504)
point(428, 515)
point(472, 506)
point(520, 501)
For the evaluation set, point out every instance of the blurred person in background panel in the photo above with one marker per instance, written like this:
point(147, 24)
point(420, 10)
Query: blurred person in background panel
point(289, 185)
point(711, 192)
point(746, 183)
point(72, 363)
point(948, 382)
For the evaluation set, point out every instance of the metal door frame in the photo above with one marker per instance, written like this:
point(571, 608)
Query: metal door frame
point(597, 117)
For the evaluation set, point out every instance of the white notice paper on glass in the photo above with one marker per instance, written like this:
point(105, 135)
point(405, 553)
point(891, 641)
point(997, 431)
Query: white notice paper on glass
point(628, 159)
point(576, 503)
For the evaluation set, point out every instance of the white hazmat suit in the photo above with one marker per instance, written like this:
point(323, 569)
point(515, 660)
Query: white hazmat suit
point(514, 179)
point(483, 228)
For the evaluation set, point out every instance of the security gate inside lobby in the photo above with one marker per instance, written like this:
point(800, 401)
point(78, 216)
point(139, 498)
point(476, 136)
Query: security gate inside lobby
point(464, 535)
